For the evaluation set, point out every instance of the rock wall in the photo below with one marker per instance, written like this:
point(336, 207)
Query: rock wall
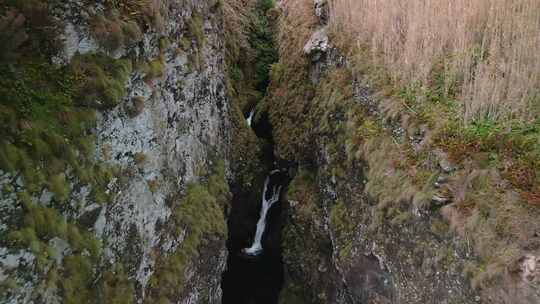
point(360, 229)
point(169, 131)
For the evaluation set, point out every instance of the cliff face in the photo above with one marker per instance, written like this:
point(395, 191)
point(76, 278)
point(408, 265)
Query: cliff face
point(122, 129)
point(162, 136)
point(383, 210)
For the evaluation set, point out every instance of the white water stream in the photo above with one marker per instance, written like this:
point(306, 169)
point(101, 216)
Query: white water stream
point(250, 117)
point(256, 247)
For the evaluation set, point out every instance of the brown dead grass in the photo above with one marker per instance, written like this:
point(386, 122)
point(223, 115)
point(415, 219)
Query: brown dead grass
point(488, 48)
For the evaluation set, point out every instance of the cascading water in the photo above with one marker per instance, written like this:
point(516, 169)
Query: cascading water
point(249, 119)
point(267, 203)
point(254, 272)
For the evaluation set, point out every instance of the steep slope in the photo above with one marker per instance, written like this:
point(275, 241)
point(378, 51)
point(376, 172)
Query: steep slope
point(116, 150)
point(394, 201)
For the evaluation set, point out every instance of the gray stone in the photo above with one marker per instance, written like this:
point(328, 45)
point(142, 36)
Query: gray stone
point(317, 45)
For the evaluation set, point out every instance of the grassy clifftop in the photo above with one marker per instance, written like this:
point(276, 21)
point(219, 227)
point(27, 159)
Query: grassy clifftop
point(425, 145)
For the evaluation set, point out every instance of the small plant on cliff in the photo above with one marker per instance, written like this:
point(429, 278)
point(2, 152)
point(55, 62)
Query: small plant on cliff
point(136, 107)
point(343, 226)
point(104, 79)
point(195, 28)
point(112, 32)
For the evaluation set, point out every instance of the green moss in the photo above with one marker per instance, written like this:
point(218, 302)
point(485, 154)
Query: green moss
point(115, 287)
point(200, 215)
point(60, 187)
point(104, 79)
point(343, 224)
point(185, 44)
point(9, 157)
point(78, 276)
point(7, 189)
point(306, 244)
point(195, 28)
point(164, 43)
point(46, 222)
point(86, 145)
point(48, 118)
point(153, 69)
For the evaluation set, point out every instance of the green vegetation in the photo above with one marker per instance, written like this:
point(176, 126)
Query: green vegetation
point(104, 80)
point(343, 224)
point(112, 33)
point(200, 214)
point(146, 13)
point(195, 28)
point(261, 39)
point(306, 245)
point(493, 189)
point(48, 114)
point(76, 276)
point(249, 51)
point(151, 69)
point(13, 34)
point(45, 131)
point(290, 92)
point(115, 288)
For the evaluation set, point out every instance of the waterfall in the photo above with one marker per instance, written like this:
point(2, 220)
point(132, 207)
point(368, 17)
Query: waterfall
point(256, 247)
point(250, 117)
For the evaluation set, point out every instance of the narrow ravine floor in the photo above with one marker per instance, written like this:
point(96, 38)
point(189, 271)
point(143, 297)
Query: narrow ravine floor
point(256, 278)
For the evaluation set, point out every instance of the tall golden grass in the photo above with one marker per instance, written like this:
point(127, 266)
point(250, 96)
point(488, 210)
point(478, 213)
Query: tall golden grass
point(490, 49)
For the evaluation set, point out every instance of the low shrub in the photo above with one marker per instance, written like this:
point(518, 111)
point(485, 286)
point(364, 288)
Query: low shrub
point(104, 80)
point(113, 33)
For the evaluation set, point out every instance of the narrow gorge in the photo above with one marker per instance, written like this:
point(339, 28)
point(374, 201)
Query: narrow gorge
point(269, 152)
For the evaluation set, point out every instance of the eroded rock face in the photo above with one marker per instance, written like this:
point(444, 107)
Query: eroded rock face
point(335, 244)
point(183, 121)
point(359, 232)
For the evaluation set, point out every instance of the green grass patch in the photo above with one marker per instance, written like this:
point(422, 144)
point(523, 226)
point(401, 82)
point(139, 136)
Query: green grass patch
point(200, 214)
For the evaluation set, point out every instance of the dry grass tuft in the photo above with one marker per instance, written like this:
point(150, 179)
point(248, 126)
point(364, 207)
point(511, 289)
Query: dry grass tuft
point(487, 49)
